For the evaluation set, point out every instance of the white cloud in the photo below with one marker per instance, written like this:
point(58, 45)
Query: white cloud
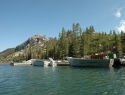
point(121, 26)
point(118, 13)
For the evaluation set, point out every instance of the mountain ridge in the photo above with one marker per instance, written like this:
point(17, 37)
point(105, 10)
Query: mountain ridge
point(36, 40)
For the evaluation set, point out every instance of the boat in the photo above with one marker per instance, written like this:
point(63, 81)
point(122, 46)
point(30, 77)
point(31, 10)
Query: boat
point(100, 60)
point(89, 62)
point(21, 63)
point(39, 62)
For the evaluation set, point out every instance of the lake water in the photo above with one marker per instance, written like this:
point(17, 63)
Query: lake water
point(61, 80)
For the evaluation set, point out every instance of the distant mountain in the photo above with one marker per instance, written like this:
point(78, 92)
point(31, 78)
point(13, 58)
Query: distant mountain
point(36, 40)
point(5, 51)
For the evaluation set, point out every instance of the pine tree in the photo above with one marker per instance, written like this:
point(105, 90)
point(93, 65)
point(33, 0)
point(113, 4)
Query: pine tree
point(63, 44)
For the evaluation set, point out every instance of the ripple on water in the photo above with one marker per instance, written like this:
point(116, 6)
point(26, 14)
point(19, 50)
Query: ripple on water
point(29, 80)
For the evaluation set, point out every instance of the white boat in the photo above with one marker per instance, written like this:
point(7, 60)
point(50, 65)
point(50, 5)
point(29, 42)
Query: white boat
point(39, 62)
point(21, 63)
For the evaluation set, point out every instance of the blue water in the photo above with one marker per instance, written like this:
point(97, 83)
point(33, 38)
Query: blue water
point(61, 80)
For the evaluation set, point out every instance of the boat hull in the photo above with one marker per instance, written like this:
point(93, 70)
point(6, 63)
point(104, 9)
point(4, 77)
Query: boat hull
point(36, 62)
point(90, 62)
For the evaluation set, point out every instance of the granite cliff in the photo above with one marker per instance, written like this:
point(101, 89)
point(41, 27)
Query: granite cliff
point(37, 41)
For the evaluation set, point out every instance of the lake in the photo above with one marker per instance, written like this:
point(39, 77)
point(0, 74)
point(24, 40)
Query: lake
point(61, 80)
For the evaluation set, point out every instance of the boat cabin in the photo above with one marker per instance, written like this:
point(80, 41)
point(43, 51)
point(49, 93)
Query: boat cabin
point(99, 56)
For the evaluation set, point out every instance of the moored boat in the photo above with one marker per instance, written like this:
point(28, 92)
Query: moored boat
point(38, 62)
point(90, 62)
point(21, 63)
point(100, 60)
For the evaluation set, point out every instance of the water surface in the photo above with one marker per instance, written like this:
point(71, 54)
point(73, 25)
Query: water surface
point(61, 80)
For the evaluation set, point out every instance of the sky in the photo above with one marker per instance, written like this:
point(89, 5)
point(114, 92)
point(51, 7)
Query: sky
point(22, 19)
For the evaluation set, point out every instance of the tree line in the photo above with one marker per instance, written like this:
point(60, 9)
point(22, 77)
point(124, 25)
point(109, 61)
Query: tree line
point(77, 43)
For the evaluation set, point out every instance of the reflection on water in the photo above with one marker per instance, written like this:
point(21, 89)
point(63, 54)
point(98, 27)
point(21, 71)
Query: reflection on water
point(117, 78)
point(61, 80)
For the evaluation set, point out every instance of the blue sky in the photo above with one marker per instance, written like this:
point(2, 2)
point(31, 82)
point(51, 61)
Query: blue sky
point(21, 19)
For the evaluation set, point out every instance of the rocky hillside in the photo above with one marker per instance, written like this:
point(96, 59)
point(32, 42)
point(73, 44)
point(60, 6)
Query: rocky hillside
point(36, 40)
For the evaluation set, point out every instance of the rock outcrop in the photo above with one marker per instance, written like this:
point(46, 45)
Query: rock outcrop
point(37, 41)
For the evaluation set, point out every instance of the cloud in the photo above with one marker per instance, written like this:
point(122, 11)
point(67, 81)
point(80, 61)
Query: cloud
point(118, 10)
point(121, 26)
point(118, 13)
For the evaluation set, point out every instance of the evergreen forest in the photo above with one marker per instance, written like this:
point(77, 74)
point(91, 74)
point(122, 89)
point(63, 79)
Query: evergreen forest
point(77, 43)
